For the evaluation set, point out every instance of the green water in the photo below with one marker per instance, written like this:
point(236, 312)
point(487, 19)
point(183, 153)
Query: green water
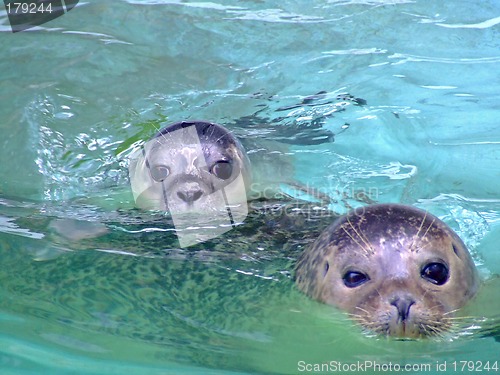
point(80, 93)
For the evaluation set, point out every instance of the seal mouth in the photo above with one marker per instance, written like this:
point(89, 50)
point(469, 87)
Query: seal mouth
point(404, 329)
point(185, 192)
point(405, 320)
point(414, 327)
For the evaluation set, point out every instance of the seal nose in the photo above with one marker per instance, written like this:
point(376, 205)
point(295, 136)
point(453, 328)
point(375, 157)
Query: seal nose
point(403, 305)
point(190, 196)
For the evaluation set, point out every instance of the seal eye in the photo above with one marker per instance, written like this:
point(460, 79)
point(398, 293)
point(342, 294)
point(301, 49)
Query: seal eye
point(159, 172)
point(222, 169)
point(436, 273)
point(352, 279)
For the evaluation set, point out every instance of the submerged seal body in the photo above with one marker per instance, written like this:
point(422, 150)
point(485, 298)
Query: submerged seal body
point(397, 270)
point(184, 164)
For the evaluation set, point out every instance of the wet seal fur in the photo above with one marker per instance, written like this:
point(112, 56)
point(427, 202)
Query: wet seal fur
point(397, 270)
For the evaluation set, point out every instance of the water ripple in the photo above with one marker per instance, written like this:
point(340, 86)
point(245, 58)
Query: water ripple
point(404, 58)
point(481, 25)
point(8, 225)
point(204, 5)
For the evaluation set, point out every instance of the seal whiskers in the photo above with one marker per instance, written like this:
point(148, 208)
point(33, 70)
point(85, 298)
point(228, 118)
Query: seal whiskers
point(417, 237)
point(367, 247)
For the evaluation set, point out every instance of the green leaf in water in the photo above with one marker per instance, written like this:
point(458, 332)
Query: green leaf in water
point(147, 128)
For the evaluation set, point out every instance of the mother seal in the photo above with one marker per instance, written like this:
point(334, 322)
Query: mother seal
point(397, 270)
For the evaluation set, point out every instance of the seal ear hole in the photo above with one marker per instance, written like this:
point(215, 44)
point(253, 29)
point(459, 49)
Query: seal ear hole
point(159, 172)
point(327, 267)
point(435, 272)
point(455, 249)
point(353, 279)
point(222, 169)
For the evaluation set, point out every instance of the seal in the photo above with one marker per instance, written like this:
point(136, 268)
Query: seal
point(184, 164)
point(201, 175)
point(397, 270)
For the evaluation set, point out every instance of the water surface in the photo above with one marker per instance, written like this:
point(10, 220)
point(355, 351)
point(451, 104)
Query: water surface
point(80, 93)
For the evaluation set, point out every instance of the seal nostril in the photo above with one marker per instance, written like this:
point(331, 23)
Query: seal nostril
point(403, 305)
point(190, 196)
point(197, 195)
point(183, 196)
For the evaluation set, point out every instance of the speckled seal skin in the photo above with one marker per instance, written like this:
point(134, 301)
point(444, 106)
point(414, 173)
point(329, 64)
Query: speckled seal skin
point(397, 270)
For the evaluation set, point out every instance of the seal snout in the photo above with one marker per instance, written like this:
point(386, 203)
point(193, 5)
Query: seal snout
point(403, 305)
point(189, 189)
point(402, 323)
point(189, 196)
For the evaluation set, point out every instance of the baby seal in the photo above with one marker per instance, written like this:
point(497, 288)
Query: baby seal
point(198, 172)
point(397, 270)
point(182, 167)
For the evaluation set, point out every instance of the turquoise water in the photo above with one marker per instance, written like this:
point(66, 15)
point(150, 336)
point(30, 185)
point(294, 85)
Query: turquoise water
point(80, 93)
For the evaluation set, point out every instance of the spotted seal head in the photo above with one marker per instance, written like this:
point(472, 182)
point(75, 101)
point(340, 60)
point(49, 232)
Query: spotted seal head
point(397, 270)
point(184, 164)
